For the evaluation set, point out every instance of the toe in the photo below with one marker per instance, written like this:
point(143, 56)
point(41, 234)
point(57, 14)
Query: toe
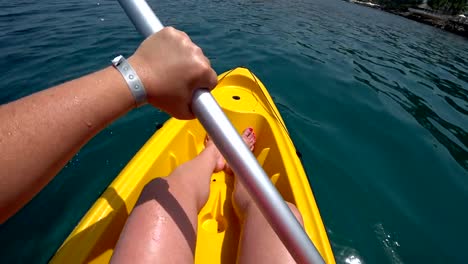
point(250, 140)
point(252, 137)
point(247, 132)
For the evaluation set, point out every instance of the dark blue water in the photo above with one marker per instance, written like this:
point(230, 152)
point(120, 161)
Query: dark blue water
point(377, 104)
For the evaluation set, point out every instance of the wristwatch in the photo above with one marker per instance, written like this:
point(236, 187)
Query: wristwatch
point(133, 81)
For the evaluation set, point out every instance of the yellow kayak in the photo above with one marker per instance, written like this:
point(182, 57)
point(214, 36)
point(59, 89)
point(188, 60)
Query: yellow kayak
point(247, 103)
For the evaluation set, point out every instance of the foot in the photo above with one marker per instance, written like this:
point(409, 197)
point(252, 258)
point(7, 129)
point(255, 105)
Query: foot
point(249, 138)
point(240, 198)
point(220, 162)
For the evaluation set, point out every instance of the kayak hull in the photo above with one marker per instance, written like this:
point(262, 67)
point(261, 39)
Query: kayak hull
point(247, 103)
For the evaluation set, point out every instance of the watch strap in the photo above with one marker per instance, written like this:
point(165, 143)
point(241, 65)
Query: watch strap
point(133, 81)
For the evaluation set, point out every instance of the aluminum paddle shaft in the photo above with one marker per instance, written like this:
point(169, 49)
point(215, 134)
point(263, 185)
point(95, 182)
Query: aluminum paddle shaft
point(240, 158)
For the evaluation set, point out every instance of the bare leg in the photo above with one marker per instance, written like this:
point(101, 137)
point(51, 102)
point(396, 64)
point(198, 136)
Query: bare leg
point(162, 226)
point(258, 242)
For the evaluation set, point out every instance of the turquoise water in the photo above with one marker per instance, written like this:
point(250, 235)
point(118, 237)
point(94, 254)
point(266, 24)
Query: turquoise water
point(377, 105)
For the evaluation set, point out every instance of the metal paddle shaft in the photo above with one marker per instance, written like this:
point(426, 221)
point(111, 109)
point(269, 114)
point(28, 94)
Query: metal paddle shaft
point(240, 158)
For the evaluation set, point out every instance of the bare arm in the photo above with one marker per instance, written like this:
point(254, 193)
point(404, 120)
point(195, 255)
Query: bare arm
point(41, 132)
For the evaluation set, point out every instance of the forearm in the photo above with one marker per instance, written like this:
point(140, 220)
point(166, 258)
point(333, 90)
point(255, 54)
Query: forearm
point(41, 132)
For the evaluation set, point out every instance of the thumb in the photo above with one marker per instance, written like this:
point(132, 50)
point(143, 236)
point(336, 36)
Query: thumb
point(208, 79)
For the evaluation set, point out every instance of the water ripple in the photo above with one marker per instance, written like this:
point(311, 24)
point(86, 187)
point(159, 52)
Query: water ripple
point(377, 105)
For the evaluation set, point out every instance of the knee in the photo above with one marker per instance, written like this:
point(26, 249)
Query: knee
point(296, 213)
point(152, 189)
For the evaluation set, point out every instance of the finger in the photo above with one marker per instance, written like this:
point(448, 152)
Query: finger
point(198, 53)
point(170, 29)
point(212, 79)
point(185, 109)
point(183, 112)
point(190, 114)
point(205, 76)
point(205, 59)
point(184, 35)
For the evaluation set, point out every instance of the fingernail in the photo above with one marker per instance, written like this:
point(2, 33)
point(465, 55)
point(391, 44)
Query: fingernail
point(250, 129)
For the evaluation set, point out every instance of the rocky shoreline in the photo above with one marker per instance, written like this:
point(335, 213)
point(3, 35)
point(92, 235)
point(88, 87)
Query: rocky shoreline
point(454, 24)
point(457, 25)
